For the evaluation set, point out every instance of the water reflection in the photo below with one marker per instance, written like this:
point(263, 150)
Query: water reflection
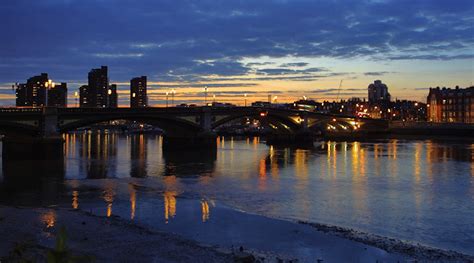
point(32, 182)
point(205, 211)
point(138, 155)
point(169, 204)
point(48, 218)
point(133, 201)
point(75, 199)
point(108, 196)
point(189, 163)
point(379, 186)
point(97, 152)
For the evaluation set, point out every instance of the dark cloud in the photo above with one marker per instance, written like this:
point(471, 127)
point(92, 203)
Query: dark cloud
point(183, 40)
point(297, 64)
point(253, 64)
point(377, 73)
point(286, 71)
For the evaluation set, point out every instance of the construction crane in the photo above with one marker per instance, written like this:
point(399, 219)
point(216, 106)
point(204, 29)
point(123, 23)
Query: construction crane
point(339, 90)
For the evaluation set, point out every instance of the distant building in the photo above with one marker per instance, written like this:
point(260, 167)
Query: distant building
point(451, 105)
point(95, 94)
point(112, 98)
point(22, 96)
point(378, 92)
point(138, 92)
point(33, 93)
point(84, 97)
point(57, 96)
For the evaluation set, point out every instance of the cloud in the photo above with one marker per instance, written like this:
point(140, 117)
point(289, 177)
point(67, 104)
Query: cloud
point(377, 73)
point(296, 64)
point(432, 57)
point(253, 64)
point(119, 55)
point(335, 90)
point(201, 85)
point(184, 40)
point(286, 71)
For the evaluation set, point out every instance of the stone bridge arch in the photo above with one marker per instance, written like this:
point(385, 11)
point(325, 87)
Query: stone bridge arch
point(280, 123)
point(172, 126)
point(15, 128)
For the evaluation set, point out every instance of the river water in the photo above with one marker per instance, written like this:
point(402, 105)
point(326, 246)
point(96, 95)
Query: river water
point(421, 191)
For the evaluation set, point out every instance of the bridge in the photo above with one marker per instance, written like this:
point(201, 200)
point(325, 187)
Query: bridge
point(32, 128)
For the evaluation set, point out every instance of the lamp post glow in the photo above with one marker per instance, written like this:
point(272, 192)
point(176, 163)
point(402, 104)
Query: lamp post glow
point(172, 96)
point(213, 98)
point(47, 85)
point(76, 96)
point(245, 100)
point(167, 93)
point(109, 92)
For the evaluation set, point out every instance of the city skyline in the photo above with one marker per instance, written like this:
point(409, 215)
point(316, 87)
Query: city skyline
point(285, 48)
point(196, 95)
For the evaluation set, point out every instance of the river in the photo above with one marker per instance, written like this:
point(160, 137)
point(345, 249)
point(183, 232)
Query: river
point(415, 190)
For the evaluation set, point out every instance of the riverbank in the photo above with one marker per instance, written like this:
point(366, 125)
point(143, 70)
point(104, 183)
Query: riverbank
point(30, 233)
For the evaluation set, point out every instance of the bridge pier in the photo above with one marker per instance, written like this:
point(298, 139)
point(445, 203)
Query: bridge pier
point(47, 145)
point(206, 139)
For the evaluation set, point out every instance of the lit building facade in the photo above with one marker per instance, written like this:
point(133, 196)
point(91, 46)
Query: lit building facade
point(33, 92)
point(84, 97)
point(40, 91)
point(138, 92)
point(451, 105)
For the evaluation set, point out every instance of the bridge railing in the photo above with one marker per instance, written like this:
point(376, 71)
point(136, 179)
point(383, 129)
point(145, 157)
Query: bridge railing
point(21, 110)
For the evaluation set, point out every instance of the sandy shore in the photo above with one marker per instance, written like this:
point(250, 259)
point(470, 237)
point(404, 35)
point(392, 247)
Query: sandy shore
point(29, 233)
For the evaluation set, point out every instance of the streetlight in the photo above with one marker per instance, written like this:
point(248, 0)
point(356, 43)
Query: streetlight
point(172, 96)
point(245, 100)
point(205, 96)
point(167, 93)
point(213, 98)
point(275, 99)
point(109, 93)
point(76, 96)
point(47, 85)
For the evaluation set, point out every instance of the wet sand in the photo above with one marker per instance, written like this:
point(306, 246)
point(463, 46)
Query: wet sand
point(30, 232)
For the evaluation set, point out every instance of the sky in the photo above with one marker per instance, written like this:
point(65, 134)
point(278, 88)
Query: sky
point(285, 48)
